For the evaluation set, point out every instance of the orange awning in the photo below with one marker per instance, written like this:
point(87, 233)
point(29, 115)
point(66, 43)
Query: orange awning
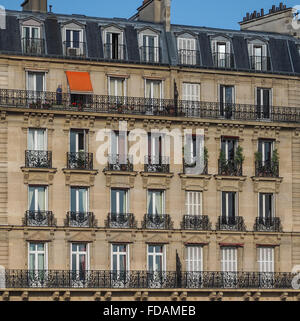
point(79, 82)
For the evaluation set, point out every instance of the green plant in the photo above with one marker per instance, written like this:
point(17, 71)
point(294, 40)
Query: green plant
point(275, 157)
point(206, 156)
point(258, 156)
point(239, 157)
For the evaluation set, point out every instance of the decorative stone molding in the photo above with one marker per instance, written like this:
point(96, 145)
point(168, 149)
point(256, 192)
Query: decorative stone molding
point(38, 120)
point(270, 240)
point(80, 177)
point(137, 296)
point(120, 179)
point(97, 296)
point(38, 176)
point(212, 296)
point(145, 296)
point(107, 296)
point(40, 236)
point(194, 182)
point(121, 238)
point(219, 296)
point(78, 121)
point(67, 296)
point(5, 296)
point(25, 296)
point(197, 239)
point(284, 296)
point(55, 296)
point(157, 239)
point(247, 296)
point(183, 296)
point(80, 237)
point(256, 296)
point(236, 239)
point(3, 116)
point(230, 183)
point(156, 180)
point(230, 129)
point(266, 184)
point(174, 296)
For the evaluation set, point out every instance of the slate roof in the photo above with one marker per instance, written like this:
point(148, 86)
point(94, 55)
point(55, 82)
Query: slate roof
point(282, 49)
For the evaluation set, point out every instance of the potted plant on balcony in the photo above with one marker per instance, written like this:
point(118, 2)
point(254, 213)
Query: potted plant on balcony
point(206, 157)
point(258, 165)
point(81, 159)
point(275, 162)
point(239, 158)
point(223, 163)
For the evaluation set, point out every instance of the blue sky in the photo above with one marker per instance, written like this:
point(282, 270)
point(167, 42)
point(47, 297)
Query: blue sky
point(215, 13)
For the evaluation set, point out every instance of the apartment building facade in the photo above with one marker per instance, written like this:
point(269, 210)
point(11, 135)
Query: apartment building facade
point(75, 228)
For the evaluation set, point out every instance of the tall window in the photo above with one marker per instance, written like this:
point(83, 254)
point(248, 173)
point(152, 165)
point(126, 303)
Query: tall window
point(116, 87)
point(155, 202)
point(228, 147)
point(263, 102)
point(226, 101)
point(37, 198)
point(258, 55)
point(194, 258)
point(113, 46)
point(187, 51)
point(193, 203)
point(119, 144)
point(74, 42)
point(156, 259)
point(153, 89)
point(266, 205)
point(221, 51)
point(79, 200)
point(79, 262)
point(78, 140)
point(149, 48)
point(36, 82)
point(191, 98)
point(119, 201)
point(120, 258)
point(37, 139)
point(31, 40)
point(265, 148)
point(229, 259)
point(229, 207)
point(37, 257)
point(266, 259)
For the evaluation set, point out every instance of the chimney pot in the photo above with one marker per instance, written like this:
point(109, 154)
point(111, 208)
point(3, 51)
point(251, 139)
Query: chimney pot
point(262, 12)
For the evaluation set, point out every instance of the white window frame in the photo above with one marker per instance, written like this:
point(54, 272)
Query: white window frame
point(77, 197)
point(261, 98)
point(27, 81)
point(149, 33)
point(194, 258)
point(110, 30)
point(81, 37)
point(127, 191)
point(163, 196)
point(263, 205)
point(77, 255)
point(187, 44)
point(30, 28)
point(266, 259)
point(196, 207)
point(226, 146)
point(263, 143)
point(36, 130)
point(116, 79)
point(85, 139)
point(118, 253)
point(36, 252)
point(152, 91)
point(227, 203)
point(36, 196)
point(154, 254)
point(229, 263)
point(191, 91)
point(215, 43)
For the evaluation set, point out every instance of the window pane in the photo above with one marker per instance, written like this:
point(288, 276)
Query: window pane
point(73, 199)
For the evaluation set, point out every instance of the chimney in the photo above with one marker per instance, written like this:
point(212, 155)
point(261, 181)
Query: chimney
point(35, 6)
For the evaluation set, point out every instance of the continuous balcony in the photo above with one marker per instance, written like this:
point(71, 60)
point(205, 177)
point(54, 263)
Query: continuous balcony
point(39, 218)
point(266, 169)
point(120, 163)
point(260, 63)
point(230, 167)
point(63, 279)
point(157, 222)
point(26, 99)
point(267, 224)
point(150, 54)
point(80, 160)
point(74, 48)
point(223, 60)
point(80, 219)
point(157, 164)
point(196, 223)
point(33, 46)
point(230, 223)
point(38, 159)
point(114, 52)
point(121, 221)
point(188, 57)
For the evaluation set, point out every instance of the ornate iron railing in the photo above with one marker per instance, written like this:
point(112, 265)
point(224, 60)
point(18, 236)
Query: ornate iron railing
point(230, 167)
point(260, 63)
point(194, 166)
point(122, 163)
point(39, 218)
point(267, 224)
point(150, 54)
point(80, 219)
point(157, 222)
point(33, 46)
point(157, 164)
point(114, 52)
point(74, 48)
point(80, 160)
point(229, 223)
point(223, 60)
point(20, 279)
point(38, 159)
point(196, 222)
point(266, 169)
point(143, 106)
point(189, 57)
point(120, 220)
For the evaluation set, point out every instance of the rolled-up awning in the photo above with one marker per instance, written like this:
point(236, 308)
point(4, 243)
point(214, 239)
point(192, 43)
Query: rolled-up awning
point(79, 82)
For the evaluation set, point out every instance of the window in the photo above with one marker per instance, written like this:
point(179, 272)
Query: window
point(37, 263)
point(119, 145)
point(229, 207)
point(113, 43)
point(221, 50)
point(79, 263)
point(191, 99)
point(187, 51)
point(226, 101)
point(31, 40)
point(193, 203)
point(36, 82)
point(266, 205)
point(74, 45)
point(79, 200)
point(194, 259)
point(259, 59)
point(119, 201)
point(229, 259)
point(116, 87)
point(153, 89)
point(37, 199)
point(149, 47)
point(263, 103)
point(156, 265)
point(155, 202)
point(266, 266)
point(228, 147)
point(119, 264)
point(78, 140)
point(265, 148)
point(37, 139)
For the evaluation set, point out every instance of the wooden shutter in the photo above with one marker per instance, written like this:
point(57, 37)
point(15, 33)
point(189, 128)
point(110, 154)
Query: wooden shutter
point(266, 259)
point(193, 203)
point(194, 258)
point(229, 259)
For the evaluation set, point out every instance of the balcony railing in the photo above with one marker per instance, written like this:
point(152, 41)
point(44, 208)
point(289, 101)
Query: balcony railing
point(188, 57)
point(120, 220)
point(157, 222)
point(74, 48)
point(266, 169)
point(121, 163)
point(157, 164)
point(196, 222)
point(39, 218)
point(223, 60)
point(150, 54)
point(114, 52)
point(33, 46)
point(267, 224)
point(80, 219)
point(63, 279)
point(235, 223)
point(143, 106)
point(80, 160)
point(38, 159)
point(194, 165)
point(260, 63)
point(230, 167)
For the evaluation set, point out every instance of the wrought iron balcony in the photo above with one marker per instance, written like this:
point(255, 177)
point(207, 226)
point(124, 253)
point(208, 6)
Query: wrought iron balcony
point(80, 160)
point(13, 98)
point(157, 222)
point(150, 54)
point(80, 219)
point(190, 166)
point(33, 46)
point(39, 218)
point(157, 164)
point(121, 163)
point(38, 159)
point(266, 169)
point(235, 223)
point(260, 63)
point(223, 60)
point(230, 167)
point(63, 279)
point(267, 224)
point(120, 220)
point(196, 222)
point(188, 57)
point(114, 52)
point(74, 48)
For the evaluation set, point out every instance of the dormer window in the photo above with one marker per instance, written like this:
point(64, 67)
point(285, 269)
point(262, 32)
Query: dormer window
point(73, 40)
point(149, 46)
point(187, 52)
point(114, 43)
point(222, 53)
point(259, 59)
point(32, 40)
